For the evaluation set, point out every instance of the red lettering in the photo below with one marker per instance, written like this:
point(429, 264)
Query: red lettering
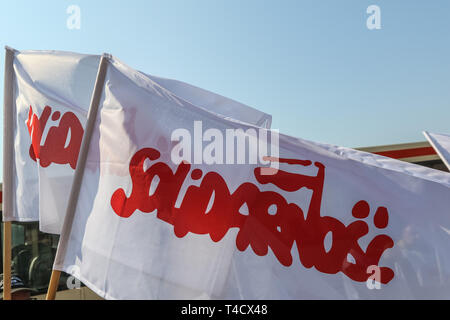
point(271, 222)
point(54, 149)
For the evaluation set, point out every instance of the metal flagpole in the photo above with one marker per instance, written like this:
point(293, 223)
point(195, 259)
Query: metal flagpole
point(8, 149)
point(71, 206)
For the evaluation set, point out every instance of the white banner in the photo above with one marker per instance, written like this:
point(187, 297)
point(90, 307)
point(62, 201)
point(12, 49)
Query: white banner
point(52, 93)
point(322, 222)
point(441, 144)
point(51, 96)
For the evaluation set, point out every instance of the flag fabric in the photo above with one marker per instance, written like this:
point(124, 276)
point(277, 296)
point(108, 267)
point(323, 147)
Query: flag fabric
point(51, 97)
point(441, 144)
point(214, 102)
point(170, 207)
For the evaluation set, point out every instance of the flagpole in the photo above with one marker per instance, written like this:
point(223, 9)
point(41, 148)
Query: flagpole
point(53, 285)
point(81, 164)
point(7, 260)
point(426, 134)
point(8, 149)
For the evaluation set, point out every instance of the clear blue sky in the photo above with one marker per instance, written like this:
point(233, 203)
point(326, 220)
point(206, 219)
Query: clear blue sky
point(312, 64)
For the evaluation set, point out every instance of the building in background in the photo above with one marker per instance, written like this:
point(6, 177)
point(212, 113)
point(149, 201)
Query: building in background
point(421, 153)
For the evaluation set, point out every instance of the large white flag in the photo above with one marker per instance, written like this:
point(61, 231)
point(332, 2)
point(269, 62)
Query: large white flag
point(51, 93)
point(441, 144)
point(173, 204)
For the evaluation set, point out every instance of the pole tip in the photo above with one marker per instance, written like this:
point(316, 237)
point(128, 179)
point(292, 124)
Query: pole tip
point(8, 48)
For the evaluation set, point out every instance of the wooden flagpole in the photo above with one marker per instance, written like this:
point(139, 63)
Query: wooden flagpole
point(8, 149)
point(53, 285)
point(76, 185)
point(7, 260)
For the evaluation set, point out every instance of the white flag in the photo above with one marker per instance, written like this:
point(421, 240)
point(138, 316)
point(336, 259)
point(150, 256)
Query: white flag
point(173, 204)
point(51, 97)
point(441, 144)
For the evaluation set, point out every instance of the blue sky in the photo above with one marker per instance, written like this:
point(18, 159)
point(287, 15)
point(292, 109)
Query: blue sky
point(312, 64)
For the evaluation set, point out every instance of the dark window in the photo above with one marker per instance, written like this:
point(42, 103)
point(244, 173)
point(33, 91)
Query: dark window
point(434, 164)
point(32, 256)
